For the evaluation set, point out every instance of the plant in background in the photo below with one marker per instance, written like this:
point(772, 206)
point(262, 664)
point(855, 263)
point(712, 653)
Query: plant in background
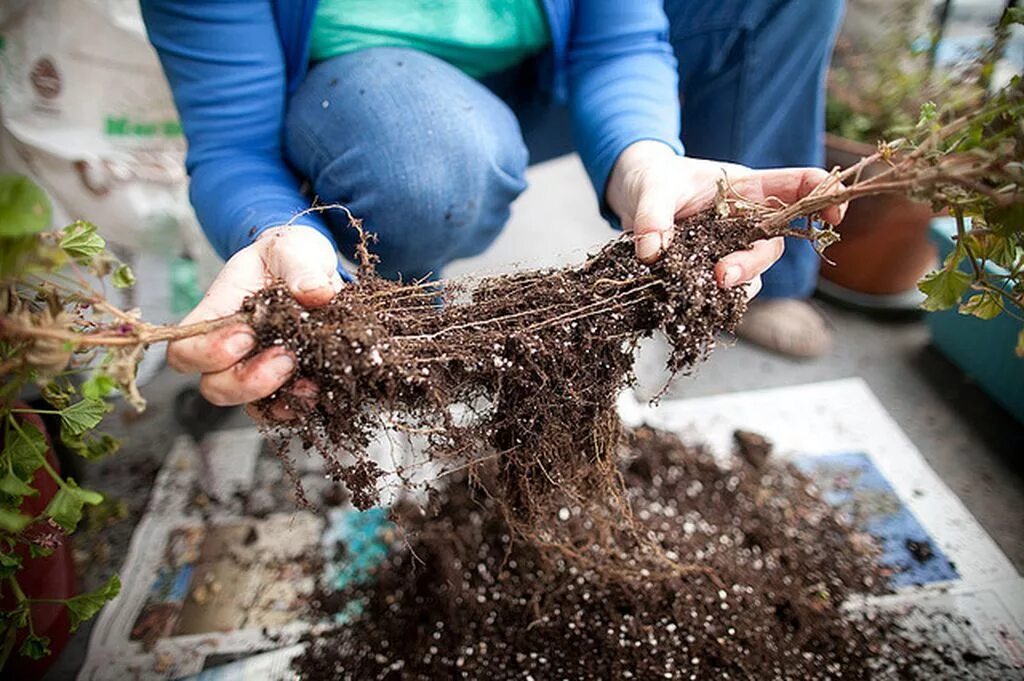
point(969, 161)
point(877, 84)
point(63, 341)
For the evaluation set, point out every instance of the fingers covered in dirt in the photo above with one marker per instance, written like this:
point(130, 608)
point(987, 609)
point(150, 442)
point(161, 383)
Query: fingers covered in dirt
point(294, 401)
point(651, 188)
point(789, 185)
point(309, 269)
point(743, 266)
point(211, 352)
point(218, 350)
point(248, 380)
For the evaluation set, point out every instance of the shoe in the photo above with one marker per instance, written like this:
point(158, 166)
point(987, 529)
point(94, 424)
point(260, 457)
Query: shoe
point(787, 326)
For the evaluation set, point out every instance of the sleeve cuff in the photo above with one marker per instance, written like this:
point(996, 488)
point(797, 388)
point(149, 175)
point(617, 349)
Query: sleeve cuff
point(600, 169)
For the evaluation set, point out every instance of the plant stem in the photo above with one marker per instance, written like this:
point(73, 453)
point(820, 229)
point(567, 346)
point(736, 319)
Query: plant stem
point(42, 457)
point(961, 237)
point(899, 180)
point(144, 335)
point(10, 636)
point(19, 595)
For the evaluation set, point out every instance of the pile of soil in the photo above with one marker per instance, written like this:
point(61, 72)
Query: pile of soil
point(462, 599)
point(522, 369)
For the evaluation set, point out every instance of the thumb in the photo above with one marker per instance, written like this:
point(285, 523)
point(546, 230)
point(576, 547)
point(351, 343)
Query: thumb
point(305, 259)
point(654, 221)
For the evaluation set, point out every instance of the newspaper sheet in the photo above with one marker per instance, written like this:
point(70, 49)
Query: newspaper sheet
point(219, 569)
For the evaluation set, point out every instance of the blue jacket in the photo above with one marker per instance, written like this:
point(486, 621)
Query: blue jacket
point(232, 64)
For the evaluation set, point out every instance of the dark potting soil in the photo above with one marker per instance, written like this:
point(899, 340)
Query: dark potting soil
point(463, 599)
point(921, 550)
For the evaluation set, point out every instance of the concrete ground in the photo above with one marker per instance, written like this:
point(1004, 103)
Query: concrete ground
point(972, 444)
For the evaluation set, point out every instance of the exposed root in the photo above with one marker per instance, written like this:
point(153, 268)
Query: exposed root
point(517, 372)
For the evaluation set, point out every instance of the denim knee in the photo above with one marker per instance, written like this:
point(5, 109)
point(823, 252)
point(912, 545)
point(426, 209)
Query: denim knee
point(444, 197)
point(428, 158)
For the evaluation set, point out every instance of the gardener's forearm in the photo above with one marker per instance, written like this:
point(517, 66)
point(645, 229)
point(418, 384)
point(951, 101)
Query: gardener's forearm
point(623, 83)
point(242, 195)
point(228, 75)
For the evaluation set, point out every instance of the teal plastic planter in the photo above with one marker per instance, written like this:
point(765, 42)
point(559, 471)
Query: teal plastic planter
point(982, 349)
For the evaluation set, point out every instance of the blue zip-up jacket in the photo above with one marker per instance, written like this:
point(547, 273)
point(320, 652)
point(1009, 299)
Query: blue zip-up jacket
point(232, 64)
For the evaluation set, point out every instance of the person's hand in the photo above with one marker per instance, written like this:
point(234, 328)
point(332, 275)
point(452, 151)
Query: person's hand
point(651, 186)
point(300, 256)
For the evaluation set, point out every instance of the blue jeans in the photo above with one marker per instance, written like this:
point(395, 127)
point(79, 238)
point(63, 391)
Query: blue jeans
point(431, 159)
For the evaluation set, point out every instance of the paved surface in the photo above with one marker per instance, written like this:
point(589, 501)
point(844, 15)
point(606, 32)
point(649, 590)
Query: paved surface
point(976, 448)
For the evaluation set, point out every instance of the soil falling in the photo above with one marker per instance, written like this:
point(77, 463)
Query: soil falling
point(464, 600)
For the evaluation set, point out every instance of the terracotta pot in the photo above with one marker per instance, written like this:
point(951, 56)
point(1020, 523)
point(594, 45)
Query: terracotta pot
point(50, 577)
point(885, 248)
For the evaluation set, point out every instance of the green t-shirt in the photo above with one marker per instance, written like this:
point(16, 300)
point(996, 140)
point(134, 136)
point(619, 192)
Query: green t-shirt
point(479, 37)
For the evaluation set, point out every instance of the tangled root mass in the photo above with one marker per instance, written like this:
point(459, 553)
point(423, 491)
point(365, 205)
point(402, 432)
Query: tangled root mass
point(516, 372)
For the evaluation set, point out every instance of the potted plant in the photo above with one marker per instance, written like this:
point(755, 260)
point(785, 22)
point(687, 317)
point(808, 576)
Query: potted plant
point(877, 86)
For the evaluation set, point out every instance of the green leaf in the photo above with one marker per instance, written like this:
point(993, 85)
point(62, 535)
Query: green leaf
point(81, 242)
point(1013, 15)
point(37, 551)
point(995, 248)
point(16, 254)
point(58, 393)
point(25, 449)
point(24, 208)
point(12, 521)
point(1005, 220)
point(1020, 344)
point(97, 386)
point(928, 113)
point(85, 606)
point(66, 506)
point(944, 288)
point(123, 277)
point(36, 647)
point(15, 486)
point(982, 306)
point(82, 416)
point(10, 563)
point(92, 446)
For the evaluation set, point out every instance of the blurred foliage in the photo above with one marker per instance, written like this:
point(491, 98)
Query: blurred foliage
point(983, 276)
point(877, 86)
point(48, 281)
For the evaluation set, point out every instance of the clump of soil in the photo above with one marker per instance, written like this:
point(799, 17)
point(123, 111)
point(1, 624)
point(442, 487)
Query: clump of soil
point(521, 369)
point(464, 600)
point(921, 550)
